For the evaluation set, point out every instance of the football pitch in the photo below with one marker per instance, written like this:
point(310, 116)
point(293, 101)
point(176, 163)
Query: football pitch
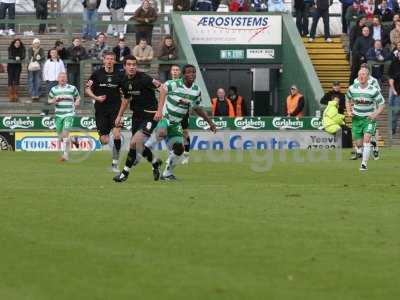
point(235, 226)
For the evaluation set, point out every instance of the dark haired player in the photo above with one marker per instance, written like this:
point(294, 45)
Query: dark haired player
point(178, 96)
point(104, 87)
point(175, 73)
point(139, 89)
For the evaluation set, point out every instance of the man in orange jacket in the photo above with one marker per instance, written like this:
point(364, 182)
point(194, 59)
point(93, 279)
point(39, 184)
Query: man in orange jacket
point(237, 101)
point(294, 103)
point(222, 106)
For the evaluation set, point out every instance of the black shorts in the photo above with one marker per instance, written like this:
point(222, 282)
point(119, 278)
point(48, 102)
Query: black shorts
point(105, 121)
point(185, 122)
point(144, 122)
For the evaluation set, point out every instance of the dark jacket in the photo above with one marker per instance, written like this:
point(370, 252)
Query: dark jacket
point(140, 16)
point(14, 52)
point(76, 54)
point(203, 5)
point(385, 38)
point(394, 73)
point(323, 4)
point(125, 52)
point(385, 15)
point(332, 94)
point(84, 3)
point(300, 4)
point(40, 5)
point(361, 47)
point(184, 3)
point(355, 33)
point(373, 55)
point(167, 51)
point(116, 4)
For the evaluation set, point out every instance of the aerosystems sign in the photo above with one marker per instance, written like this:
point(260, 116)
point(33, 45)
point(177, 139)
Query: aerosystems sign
point(233, 29)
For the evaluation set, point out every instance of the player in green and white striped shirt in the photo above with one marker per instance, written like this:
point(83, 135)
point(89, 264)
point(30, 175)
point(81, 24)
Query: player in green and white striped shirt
point(375, 150)
point(364, 103)
point(66, 98)
point(178, 96)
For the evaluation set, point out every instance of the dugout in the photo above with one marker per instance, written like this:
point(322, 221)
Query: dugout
point(261, 54)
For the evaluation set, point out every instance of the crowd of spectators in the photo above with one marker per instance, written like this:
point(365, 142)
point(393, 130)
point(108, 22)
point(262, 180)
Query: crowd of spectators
point(46, 65)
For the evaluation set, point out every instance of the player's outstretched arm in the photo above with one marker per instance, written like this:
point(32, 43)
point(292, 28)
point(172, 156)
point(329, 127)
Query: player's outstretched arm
point(201, 113)
point(161, 101)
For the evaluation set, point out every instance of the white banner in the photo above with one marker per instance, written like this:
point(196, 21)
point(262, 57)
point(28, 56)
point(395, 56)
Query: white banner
point(234, 29)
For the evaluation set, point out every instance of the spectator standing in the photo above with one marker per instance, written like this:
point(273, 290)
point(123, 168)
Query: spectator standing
point(238, 5)
point(144, 55)
point(356, 31)
point(7, 7)
point(145, 15)
point(359, 54)
point(384, 12)
point(90, 8)
point(168, 52)
point(181, 5)
point(97, 50)
point(237, 101)
point(394, 91)
point(294, 105)
point(76, 53)
point(16, 53)
point(62, 52)
point(52, 68)
point(322, 10)
point(41, 13)
point(203, 5)
point(222, 106)
point(395, 35)
point(36, 58)
point(353, 14)
point(116, 8)
point(377, 58)
point(302, 8)
point(335, 93)
point(345, 5)
point(121, 51)
point(258, 5)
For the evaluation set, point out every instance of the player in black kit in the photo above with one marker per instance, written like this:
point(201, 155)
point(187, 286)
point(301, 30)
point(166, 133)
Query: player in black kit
point(104, 86)
point(139, 89)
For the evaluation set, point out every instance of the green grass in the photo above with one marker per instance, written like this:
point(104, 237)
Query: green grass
point(314, 230)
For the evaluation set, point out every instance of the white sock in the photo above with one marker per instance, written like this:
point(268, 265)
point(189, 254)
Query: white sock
point(171, 162)
point(65, 146)
point(115, 161)
point(366, 152)
point(359, 150)
point(152, 141)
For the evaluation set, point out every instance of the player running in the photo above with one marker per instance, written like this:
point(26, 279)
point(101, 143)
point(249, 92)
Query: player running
point(175, 73)
point(357, 153)
point(66, 98)
point(139, 89)
point(364, 103)
point(178, 96)
point(104, 87)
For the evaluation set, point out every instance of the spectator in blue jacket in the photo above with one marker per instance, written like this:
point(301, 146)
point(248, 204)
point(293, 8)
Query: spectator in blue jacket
point(116, 8)
point(384, 12)
point(345, 5)
point(203, 5)
point(378, 60)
